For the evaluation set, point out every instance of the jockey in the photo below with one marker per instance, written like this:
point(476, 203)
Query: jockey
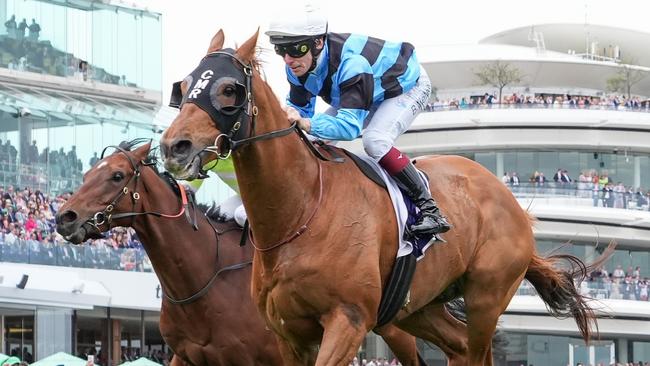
point(232, 207)
point(368, 83)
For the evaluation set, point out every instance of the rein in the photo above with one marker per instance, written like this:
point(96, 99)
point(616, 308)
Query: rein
point(227, 141)
point(204, 290)
point(106, 217)
point(302, 228)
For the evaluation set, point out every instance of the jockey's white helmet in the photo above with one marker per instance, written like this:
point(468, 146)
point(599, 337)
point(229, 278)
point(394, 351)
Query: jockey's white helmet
point(294, 26)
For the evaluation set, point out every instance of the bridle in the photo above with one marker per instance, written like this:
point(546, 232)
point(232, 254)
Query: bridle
point(227, 141)
point(245, 115)
point(106, 216)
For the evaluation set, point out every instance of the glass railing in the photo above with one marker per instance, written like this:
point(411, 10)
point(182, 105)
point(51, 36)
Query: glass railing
point(642, 107)
point(618, 289)
point(61, 177)
point(584, 193)
point(94, 255)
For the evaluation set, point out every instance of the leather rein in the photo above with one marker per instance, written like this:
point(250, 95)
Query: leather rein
point(226, 140)
point(106, 216)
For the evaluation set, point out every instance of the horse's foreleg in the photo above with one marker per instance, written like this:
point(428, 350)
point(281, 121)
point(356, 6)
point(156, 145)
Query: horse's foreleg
point(176, 361)
point(435, 324)
point(401, 343)
point(344, 331)
point(292, 357)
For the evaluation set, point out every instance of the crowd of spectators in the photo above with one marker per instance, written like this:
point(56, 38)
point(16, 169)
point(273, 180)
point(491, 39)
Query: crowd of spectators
point(28, 235)
point(620, 284)
point(22, 52)
point(56, 170)
point(616, 102)
point(601, 284)
point(374, 362)
point(602, 190)
point(128, 354)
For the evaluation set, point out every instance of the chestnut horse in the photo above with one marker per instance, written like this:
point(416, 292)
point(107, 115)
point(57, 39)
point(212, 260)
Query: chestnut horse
point(220, 325)
point(207, 316)
point(326, 236)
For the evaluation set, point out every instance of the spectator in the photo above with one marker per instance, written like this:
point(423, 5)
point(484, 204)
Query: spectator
point(618, 273)
point(10, 25)
point(608, 195)
point(20, 30)
point(34, 31)
point(506, 178)
point(514, 179)
point(32, 153)
point(93, 160)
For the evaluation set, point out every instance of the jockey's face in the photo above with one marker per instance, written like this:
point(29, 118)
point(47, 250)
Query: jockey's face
point(302, 64)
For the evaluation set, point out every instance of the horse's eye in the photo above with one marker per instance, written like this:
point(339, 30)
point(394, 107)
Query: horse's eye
point(118, 176)
point(229, 91)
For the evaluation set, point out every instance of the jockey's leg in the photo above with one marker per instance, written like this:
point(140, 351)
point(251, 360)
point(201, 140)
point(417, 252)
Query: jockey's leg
point(227, 209)
point(399, 166)
point(392, 118)
point(240, 215)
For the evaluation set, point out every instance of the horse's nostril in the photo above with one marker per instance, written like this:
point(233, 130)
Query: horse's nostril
point(181, 148)
point(164, 150)
point(66, 217)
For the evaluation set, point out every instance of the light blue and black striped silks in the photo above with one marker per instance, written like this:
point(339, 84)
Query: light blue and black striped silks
point(353, 73)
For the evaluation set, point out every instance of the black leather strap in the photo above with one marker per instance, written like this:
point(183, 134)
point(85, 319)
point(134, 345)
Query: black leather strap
point(399, 283)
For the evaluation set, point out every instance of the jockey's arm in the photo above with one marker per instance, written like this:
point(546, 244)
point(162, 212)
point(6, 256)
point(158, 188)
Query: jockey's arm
point(355, 83)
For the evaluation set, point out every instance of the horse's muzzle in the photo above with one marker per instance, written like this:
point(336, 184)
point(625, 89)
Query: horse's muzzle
point(73, 229)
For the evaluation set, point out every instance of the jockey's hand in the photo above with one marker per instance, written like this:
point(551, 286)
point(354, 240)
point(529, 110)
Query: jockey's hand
point(294, 116)
point(304, 124)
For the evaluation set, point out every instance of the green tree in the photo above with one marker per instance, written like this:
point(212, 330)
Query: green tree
point(499, 75)
point(625, 78)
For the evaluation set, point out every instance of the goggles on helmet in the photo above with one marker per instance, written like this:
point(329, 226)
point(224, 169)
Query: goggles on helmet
point(295, 50)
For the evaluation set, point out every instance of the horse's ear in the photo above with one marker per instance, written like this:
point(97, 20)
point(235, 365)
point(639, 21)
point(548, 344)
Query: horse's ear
point(247, 51)
point(217, 42)
point(142, 152)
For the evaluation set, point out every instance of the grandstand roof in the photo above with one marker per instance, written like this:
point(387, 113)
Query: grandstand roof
point(453, 67)
point(562, 37)
point(89, 5)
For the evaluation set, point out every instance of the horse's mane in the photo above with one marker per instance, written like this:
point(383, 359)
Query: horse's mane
point(152, 158)
point(212, 212)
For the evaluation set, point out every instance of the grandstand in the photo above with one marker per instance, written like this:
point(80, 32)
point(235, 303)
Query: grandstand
point(575, 154)
point(75, 76)
point(573, 151)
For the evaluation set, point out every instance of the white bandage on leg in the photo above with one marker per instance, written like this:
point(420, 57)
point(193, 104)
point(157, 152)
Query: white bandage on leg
point(240, 215)
point(228, 207)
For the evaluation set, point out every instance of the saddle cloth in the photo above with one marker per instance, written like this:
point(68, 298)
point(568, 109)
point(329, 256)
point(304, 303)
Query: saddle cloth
point(405, 211)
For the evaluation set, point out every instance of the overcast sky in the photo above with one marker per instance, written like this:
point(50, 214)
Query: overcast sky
point(188, 25)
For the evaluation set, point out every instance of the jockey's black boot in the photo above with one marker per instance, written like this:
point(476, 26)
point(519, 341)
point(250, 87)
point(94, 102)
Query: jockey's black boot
point(431, 221)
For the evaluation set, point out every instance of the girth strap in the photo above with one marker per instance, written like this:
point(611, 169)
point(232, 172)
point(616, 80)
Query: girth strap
point(394, 294)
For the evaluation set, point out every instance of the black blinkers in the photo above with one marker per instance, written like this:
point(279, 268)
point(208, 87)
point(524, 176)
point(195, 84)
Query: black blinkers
point(220, 86)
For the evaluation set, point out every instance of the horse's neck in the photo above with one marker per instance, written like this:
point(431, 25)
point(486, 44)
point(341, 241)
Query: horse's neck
point(277, 178)
point(179, 254)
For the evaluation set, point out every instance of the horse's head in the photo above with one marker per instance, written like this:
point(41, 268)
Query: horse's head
point(108, 188)
point(216, 108)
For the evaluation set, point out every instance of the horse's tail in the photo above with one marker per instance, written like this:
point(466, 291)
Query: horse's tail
point(557, 287)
